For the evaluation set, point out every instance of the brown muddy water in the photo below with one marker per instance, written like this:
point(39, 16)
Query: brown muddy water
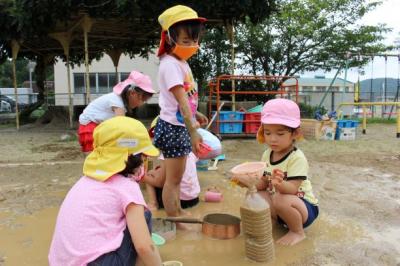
point(357, 183)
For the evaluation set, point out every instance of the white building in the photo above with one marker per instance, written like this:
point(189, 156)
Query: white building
point(102, 77)
point(312, 91)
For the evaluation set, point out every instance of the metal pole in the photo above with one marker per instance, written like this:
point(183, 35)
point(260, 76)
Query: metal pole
point(385, 95)
point(345, 75)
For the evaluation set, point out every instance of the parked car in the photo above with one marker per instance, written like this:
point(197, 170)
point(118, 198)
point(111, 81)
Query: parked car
point(11, 101)
point(5, 107)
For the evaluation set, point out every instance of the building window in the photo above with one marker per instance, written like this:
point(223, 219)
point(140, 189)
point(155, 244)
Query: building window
point(307, 88)
point(335, 89)
point(100, 83)
point(124, 75)
point(346, 89)
point(79, 83)
point(93, 83)
point(320, 88)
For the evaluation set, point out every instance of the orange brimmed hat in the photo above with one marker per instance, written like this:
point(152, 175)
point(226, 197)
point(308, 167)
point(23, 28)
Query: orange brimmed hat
point(171, 16)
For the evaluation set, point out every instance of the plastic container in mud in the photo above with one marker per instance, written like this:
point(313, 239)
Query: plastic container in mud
point(164, 228)
point(256, 224)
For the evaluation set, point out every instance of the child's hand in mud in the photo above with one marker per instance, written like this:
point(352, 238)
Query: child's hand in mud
point(277, 177)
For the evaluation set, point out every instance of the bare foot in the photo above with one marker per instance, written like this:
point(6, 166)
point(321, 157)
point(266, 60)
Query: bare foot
point(184, 227)
point(185, 213)
point(291, 238)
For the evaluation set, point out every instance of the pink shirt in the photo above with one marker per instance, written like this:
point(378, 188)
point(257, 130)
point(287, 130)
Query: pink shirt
point(173, 72)
point(91, 220)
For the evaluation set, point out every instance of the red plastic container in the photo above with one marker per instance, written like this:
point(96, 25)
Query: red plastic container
point(252, 122)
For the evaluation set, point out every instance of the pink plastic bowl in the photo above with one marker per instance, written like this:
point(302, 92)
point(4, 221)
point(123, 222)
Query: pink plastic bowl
point(250, 169)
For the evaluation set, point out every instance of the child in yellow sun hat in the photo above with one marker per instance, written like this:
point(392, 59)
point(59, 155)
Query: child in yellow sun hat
point(175, 132)
point(103, 219)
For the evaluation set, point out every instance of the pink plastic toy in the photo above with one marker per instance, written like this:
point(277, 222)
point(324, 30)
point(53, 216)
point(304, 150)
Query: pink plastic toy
point(249, 169)
point(211, 196)
point(204, 151)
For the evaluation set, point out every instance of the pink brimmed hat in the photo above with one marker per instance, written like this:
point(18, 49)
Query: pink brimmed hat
point(135, 79)
point(280, 112)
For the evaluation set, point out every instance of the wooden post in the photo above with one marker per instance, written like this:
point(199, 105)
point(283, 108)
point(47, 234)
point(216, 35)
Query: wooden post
point(15, 49)
point(64, 38)
point(86, 26)
point(115, 55)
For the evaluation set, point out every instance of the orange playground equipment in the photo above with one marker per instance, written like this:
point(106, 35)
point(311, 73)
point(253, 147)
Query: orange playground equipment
point(232, 123)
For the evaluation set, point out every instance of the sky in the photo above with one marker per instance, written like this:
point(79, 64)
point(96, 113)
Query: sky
point(388, 12)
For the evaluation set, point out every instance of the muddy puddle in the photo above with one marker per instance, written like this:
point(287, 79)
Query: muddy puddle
point(357, 183)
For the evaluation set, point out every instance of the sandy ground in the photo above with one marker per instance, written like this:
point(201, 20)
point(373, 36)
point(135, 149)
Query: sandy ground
point(357, 183)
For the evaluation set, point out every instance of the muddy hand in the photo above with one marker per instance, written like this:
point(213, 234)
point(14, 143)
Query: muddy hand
point(277, 177)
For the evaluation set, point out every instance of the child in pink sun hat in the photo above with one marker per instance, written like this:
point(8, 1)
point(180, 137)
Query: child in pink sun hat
point(127, 95)
point(285, 184)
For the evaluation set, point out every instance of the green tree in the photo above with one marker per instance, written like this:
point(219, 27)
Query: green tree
point(6, 73)
point(213, 58)
point(306, 35)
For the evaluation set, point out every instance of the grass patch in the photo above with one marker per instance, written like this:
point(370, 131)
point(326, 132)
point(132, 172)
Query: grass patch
point(378, 120)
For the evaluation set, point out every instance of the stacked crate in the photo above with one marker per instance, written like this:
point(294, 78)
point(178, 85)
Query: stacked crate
point(346, 129)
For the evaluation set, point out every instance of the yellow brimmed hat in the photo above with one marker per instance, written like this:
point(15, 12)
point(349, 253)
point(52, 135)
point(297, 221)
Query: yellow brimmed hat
point(114, 140)
point(171, 16)
point(152, 126)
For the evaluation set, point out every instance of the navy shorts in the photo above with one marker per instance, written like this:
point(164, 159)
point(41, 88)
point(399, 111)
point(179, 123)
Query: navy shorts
point(172, 140)
point(184, 203)
point(126, 254)
point(313, 212)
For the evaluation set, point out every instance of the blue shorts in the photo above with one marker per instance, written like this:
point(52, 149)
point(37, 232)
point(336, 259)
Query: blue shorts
point(313, 212)
point(124, 255)
point(172, 140)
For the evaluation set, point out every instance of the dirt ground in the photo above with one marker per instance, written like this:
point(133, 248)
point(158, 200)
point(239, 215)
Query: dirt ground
point(357, 183)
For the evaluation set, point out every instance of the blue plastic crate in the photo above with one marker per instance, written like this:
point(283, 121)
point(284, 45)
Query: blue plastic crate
point(230, 127)
point(346, 124)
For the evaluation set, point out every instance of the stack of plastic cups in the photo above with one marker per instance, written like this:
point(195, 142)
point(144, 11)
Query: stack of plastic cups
point(257, 227)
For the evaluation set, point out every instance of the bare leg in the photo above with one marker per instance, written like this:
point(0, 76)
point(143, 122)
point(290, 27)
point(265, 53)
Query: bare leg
point(175, 167)
point(294, 212)
point(152, 202)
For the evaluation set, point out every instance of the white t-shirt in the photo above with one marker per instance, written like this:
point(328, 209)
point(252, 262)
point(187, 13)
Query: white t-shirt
point(173, 72)
point(101, 109)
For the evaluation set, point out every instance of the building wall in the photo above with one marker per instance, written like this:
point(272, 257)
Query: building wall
point(147, 66)
point(312, 90)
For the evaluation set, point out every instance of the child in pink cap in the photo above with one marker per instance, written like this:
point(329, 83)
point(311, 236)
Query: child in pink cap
point(126, 95)
point(290, 196)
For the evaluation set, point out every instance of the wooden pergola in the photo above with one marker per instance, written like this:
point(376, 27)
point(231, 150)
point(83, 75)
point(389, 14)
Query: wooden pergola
point(83, 32)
